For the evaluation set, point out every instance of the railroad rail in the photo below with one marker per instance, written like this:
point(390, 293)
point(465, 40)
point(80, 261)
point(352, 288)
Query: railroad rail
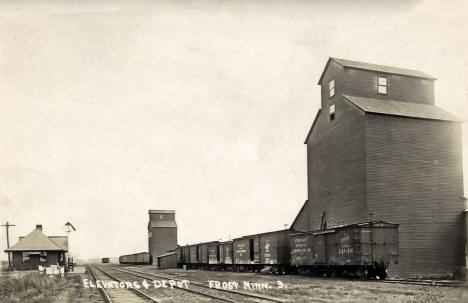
point(434, 283)
point(423, 282)
point(123, 295)
point(103, 292)
point(146, 276)
point(234, 293)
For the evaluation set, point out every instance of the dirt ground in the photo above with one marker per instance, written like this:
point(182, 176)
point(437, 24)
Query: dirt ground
point(293, 288)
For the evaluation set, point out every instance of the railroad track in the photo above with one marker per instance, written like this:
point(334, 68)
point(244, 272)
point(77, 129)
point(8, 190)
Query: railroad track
point(420, 282)
point(233, 296)
point(434, 283)
point(119, 295)
point(184, 295)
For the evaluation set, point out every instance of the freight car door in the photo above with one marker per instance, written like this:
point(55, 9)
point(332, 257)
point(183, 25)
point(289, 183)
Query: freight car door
point(228, 253)
point(213, 254)
point(221, 253)
point(254, 250)
point(257, 250)
point(199, 254)
point(320, 249)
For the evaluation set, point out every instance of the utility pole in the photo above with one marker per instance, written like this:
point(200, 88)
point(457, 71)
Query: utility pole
point(7, 225)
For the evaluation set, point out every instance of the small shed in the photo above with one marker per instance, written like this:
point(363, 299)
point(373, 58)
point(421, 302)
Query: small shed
point(168, 260)
point(36, 249)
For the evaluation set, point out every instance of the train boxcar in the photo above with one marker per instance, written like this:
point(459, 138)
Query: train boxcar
point(105, 260)
point(202, 255)
point(211, 255)
point(143, 258)
point(274, 248)
point(138, 259)
point(271, 249)
point(364, 249)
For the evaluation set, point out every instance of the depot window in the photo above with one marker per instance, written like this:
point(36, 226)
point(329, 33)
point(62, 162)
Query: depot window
point(331, 88)
point(26, 257)
point(332, 112)
point(382, 85)
point(43, 257)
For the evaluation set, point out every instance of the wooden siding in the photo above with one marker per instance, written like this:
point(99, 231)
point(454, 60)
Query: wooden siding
point(401, 88)
point(334, 71)
point(138, 258)
point(301, 222)
point(227, 253)
point(336, 168)
point(162, 240)
point(185, 254)
point(363, 83)
point(168, 261)
point(204, 253)
point(403, 170)
point(414, 178)
point(162, 217)
point(274, 248)
point(213, 253)
point(53, 258)
point(194, 255)
point(241, 251)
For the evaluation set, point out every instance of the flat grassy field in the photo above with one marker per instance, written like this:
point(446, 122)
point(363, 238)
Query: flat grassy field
point(19, 287)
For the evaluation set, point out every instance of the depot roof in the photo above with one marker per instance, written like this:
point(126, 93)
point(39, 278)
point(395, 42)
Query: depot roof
point(37, 241)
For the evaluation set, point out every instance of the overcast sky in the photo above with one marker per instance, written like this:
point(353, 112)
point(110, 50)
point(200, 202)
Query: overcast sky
point(108, 110)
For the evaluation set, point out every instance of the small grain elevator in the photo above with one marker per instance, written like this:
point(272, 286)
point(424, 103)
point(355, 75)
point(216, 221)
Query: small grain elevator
point(162, 232)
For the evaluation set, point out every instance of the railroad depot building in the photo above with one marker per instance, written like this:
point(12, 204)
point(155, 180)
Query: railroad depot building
point(379, 149)
point(37, 249)
point(162, 233)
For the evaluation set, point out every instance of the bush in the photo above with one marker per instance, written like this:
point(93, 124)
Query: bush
point(32, 286)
